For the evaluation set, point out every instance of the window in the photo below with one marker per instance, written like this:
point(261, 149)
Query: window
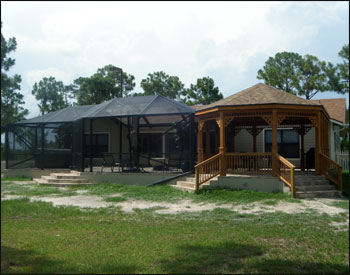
point(287, 142)
point(99, 143)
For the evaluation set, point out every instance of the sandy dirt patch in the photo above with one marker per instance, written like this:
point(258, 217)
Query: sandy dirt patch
point(86, 201)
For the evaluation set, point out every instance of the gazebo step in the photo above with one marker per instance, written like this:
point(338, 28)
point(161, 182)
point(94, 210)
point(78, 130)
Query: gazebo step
point(318, 194)
point(188, 184)
point(182, 188)
point(315, 188)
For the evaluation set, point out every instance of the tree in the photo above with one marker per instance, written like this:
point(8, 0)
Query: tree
point(103, 85)
point(313, 77)
point(11, 111)
point(343, 71)
point(159, 83)
point(282, 71)
point(303, 76)
point(53, 95)
point(203, 92)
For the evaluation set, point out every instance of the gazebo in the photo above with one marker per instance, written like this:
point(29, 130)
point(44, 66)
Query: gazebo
point(255, 109)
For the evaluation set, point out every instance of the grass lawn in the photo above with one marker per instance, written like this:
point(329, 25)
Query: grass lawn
point(39, 238)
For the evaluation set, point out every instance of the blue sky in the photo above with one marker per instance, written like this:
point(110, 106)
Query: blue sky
point(227, 41)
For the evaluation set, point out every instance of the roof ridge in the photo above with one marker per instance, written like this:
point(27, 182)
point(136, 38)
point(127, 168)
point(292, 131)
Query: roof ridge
point(149, 104)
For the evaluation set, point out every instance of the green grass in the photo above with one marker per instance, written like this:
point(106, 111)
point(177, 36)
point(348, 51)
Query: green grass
point(15, 179)
point(39, 238)
point(28, 189)
point(169, 194)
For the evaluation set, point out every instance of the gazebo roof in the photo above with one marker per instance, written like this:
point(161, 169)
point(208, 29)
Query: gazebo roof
point(260, 94)
point(335, 107)
point(116, 107)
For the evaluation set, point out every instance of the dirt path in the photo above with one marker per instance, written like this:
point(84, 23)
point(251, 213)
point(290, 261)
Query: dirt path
point(87, 201)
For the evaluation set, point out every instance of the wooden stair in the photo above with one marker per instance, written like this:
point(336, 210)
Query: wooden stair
point(313, 186)
point(62, 179)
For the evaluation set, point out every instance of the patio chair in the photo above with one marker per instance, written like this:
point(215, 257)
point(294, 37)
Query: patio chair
point(108, 161)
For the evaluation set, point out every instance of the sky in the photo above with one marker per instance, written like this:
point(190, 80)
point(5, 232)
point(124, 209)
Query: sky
point(227, 41)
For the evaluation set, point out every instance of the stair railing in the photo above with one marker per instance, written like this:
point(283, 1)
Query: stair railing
point(208, 169)
point(286, 173)
point(331, 170)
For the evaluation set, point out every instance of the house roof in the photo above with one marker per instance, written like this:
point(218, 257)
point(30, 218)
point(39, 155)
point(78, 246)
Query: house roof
point(116, 107)
point(257, 95)
point(335, 107)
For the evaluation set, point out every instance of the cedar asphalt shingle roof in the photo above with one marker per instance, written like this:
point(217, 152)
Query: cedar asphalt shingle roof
point(260, 94)
point(335, 107)
point(263, 94)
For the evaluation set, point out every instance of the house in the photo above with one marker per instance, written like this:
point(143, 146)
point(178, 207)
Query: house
point(258, 130)
point(134, 129)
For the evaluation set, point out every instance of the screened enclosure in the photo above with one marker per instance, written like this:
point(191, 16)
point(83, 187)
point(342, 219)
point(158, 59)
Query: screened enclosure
point(137, 131)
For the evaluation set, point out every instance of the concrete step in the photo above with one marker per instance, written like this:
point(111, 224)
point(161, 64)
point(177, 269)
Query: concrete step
point(191, 179)
point(55, 180)
point(182, 188)
point(64, 176)
point(186, 184)
point(318, 194)
point(311, 182)
point(315, 187)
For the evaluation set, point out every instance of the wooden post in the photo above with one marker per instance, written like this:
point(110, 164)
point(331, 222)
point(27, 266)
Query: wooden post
point(200, 141)
point(302, 148)
point(207, 140)
point(197, 178)
point(292, 181)
point(91, 145)
point(274, 143)
point(216, 141)
point(222, 148)
point(318, 144)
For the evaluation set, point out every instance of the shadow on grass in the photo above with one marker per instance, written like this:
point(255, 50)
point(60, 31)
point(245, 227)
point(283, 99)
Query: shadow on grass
point(299, 267)
point(239, 258)
point(20, 261)
point(23, 261)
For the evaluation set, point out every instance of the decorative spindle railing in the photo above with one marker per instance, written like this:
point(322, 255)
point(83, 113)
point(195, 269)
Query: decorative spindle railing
point(251, 163)
point(208, 169)
point(286, 172)
point(331, 170)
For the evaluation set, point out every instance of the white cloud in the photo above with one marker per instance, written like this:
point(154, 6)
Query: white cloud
point(37, 75)
point(222, 40)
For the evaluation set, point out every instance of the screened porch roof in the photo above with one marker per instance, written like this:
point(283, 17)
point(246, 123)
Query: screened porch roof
point(118, 107)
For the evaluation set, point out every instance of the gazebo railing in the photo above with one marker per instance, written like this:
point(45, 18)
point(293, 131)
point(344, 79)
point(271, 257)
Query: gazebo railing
point(286, 173)
point(250, 163)
point(331, 170)
point(208, 169)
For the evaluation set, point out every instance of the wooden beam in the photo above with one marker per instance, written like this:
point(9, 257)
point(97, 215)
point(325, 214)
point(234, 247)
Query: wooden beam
point(207, 140)
point(302, 148)
point(200, 141)
point(222, 148)
point(274, 143)
point(318, 144)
